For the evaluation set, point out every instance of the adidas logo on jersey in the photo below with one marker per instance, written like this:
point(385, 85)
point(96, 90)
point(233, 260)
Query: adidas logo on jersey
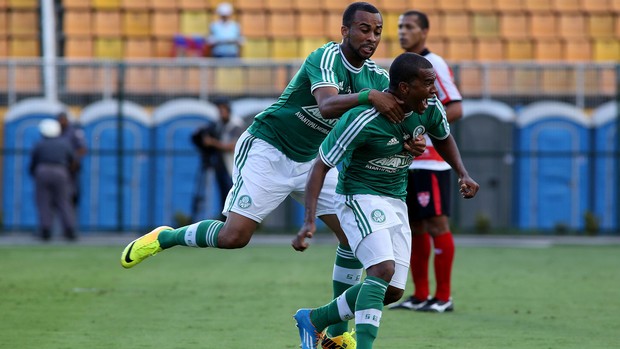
point(393, 141)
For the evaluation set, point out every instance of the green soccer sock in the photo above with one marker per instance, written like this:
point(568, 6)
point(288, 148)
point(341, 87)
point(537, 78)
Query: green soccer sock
point(347, 272)
point(368, 310)
point(336, 311)
point(200, 234)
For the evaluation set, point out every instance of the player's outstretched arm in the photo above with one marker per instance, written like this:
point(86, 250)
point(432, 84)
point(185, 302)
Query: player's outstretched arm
point(332, 105)
point(314, 184)
point(450, 152)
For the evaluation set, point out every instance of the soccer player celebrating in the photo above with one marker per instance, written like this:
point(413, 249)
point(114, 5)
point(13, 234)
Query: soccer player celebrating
point(370, 195)
point(428, 195)
point(273, 157)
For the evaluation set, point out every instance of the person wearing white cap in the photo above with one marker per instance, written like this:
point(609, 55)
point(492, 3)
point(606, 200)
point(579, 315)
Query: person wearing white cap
point(51, 159)
point(225, 38)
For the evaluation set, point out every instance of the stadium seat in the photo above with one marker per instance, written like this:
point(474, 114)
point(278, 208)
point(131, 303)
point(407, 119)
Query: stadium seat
point(139, 79)
point(163, 47)
point(535, 6)
point(138, 48)
point(4, 29)
point(399, 6)
point(77, 23)
point(310, 24)
point(543, 26)
point(23, 4)
point(485, 25)
point(29, 79)
point(333, 22)
point(424, 5)
point(572, 26)
point(24, 47)
point(601, 26)
point(307, 45)
point(107, 4)
point(524, 81)
point(566, 6)
point(279, 5)
point(435, 44)
point(478, 6)
point(135, 4)
point(387, 48)
point(79, 47)
point(163, 4)
point(390, 25)
point(107, 24)
point(77, 4)
point(456, 25)
point(194, 23)
point(577, 50)
point(305, 5)
point(548, 50)
point(281, 25)
point(229, 80)
point(489, 50)
point(4, 47)
point(198, 5)
point(557, 81)
point(460, 50)
point(519, 50)
point(498, 80)
point(507, 6)
point(81, 79)
point(164, 24)
point(23, 23)
point(253, 24)
point(258, 80)
point(470, 80)
point(334, 5)
point(249, 5)
point(513, 26)
point(285, 48)
point(606, 50)
point(256, 48)
point(595, 6)
point(614, 5)
point(451, 5)
point(109, 48)
point(136, 24)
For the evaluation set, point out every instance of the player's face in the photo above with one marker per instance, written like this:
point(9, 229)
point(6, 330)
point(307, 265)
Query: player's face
point(417, 93)
point(411, 36)
point(360, 41)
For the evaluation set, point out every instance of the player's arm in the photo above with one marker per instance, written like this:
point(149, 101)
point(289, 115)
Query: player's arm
point(450, 153)
point(332, 105)
point(454, 111)
point(314, 184)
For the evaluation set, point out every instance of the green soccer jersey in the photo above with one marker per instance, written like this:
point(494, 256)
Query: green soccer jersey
point(294, 124)
point(370, 147)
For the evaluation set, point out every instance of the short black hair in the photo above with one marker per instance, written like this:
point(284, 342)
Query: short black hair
point(349, 13)
point(422, 18)
point(222, 101)
point(406, 68)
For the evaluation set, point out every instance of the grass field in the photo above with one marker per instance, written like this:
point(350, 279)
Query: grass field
point(79, 297)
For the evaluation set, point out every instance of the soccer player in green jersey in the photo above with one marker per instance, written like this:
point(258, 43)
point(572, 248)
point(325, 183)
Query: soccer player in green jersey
point(273, 157)
point(371, 192)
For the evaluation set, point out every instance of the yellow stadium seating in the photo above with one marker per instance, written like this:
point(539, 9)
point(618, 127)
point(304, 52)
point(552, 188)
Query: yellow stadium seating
point(537, 5)
point(566, 6)
point(228, 80)
point(519, 50)
point(281, 25)
point(572, 26)
point(489, 50)
point(257, 79)
point(305, 5)
point(285, 48)
point(136, 24)
point(107, 24)
point(461, 50)
point(163, 4)
point(478, 6)
point(452, 5)
point(135, 4)
point(250, 5)
point(424, 5)
point(78, 23)
point(595, 6)
point(164, 24)
point(80, 47)
point(77, 4)
point(577, 50)
point(23, 23)
point(456, 25)
point(513, 26)
point(310, 24)
point(548, 50)
point(194, 23)
point(543, 26)
point(106, 4)
point(384, 49)
point(601, 26)
point(485, 25)
point(163, 47)
point(507, 6)
point(24, 47)
point(434, 44)
point(198, 5)
point(335, 5)
point(109, 48)
point(253, 24)
point(399, 6)
point(606, 50)
point(23, 4)
point(256, 48)
point(333, 22)
point(138, 48)
point(390, 25)
point(279, 5)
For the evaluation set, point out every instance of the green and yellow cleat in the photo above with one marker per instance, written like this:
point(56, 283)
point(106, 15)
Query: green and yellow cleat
point(345, 341)
point(142, 248)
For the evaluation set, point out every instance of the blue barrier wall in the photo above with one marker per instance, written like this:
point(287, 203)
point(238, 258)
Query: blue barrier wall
point(604, 122)
point(177, 165)
point(551, 181)
point(104, 204)
point(21, 133)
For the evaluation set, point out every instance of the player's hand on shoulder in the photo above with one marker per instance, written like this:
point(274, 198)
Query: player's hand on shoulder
point(388, 105)
point(468, 187)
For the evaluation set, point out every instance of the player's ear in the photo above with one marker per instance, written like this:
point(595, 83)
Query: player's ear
point(344, 31)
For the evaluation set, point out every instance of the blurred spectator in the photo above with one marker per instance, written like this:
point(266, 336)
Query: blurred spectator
point(50, 166)
point(225, 38)
point(75, 137)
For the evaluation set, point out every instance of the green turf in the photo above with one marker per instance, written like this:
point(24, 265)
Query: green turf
point(80, 297)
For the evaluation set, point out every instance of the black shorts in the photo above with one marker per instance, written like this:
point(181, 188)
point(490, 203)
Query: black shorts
point(428, 194)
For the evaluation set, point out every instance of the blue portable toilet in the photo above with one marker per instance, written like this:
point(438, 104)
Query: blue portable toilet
point(21, 133)
point(604, 123)
point(115, 194)
point(551, 180)
point(485, 139)
point(177, 162)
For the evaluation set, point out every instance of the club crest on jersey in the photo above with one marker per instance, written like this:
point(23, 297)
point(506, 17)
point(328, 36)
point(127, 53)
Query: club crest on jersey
point(424, 198)
point(377, 216)
point(244, 201)
point(419, 130)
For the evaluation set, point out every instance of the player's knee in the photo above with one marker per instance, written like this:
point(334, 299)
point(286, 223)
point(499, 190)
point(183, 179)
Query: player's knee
point(392, 295)
point(233, 238)
point(384, 270)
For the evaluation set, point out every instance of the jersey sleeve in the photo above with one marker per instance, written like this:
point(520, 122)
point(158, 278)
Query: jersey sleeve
point(320, 67)
point(348, 134)
point(438, 126)
point(446, 88)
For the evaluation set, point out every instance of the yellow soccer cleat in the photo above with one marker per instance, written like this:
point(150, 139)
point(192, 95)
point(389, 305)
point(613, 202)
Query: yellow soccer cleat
point(142, 248)
point(345, 341)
